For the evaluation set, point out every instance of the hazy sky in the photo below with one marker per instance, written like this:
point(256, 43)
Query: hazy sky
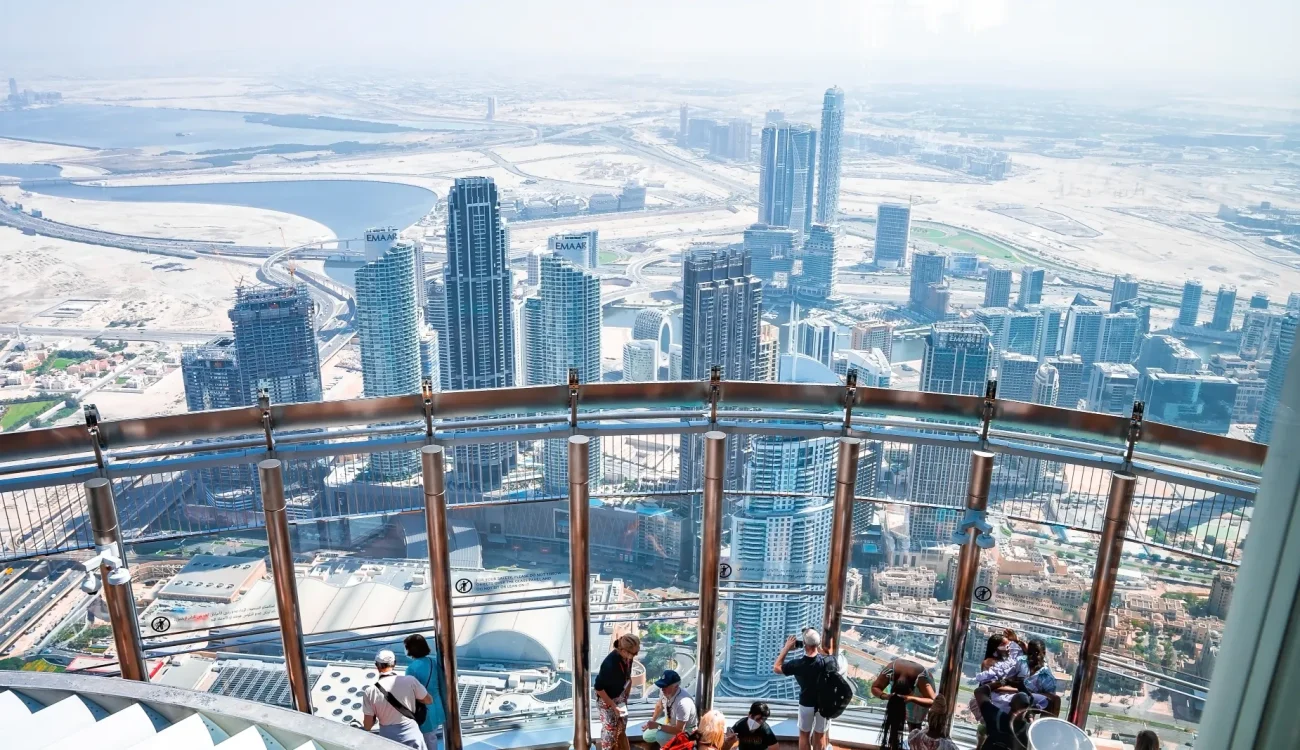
point(1210, 44)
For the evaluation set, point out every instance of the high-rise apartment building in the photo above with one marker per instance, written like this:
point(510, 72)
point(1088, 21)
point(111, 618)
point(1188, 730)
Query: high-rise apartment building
point(1166, 353)
point(1112, 388)
point(570, 322)
point(211, 376)
point(1047, 385)
point(1259, 332)
point(816, 282)
point(1052, 329)
point(1199, 401)
point(928, 268)
point(1083, 332)
point(1122, 289)
point(893, 230)
point(871, 366)
point(1259, 301)
point(828, 165)
point(1031, 286)
point(640, 361)
point(1071, 380)
point(1276, 378)
point(1224, 303)
point(1016, 373)
point(722, 303)
point(435, 316)
point(786, 175)
point(771, 251)
point(1117, 337)
point(815, 337)
point(1189, 307)
point(388, 321)
point(275, 343)
point(480, 327)
point(531, 354)
point(873, 334)
point(997, 287)
point(1221, 589)
point(1293, 303)
point(579, 248)
point(1016, 331)
point(769, 352)
point(957, 359)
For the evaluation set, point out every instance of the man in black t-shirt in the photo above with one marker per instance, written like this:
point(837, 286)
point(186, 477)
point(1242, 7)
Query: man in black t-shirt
point(807, 668)
point(753, 731)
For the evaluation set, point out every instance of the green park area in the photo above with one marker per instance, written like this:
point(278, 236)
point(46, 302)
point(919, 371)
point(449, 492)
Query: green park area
point(608, 256)
point(958, 239)
point(20, 414)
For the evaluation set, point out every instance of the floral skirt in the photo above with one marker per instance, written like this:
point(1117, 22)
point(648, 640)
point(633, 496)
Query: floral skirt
point(613, 729)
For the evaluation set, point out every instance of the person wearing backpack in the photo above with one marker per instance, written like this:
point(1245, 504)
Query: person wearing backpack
point(424, 667)
point(808, 668)
point(394, 702)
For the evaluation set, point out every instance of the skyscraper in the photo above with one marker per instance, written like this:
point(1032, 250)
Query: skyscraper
point(957, 359)
point(1293, 303)
point(779, 541)
point(652, 324)
point(1051, 330)
point(1224, 302)
point(1018, 331)
point(580, 248)
point(1122, 289)
point(570, 322)
point(785, 177)
point(480, 325)
point(873, 334)
point(817, 281)
point(1168, 354)
point(1016, 373)
point(1072, 384)
point(435, 316)
point(211, 376)
point(1117, 337)
point(871, 366)
point(388, 320)
point(1047, 385)
point(1199, 401)
point(893, 230)
point(1259, 301)
point(828, 166)
point(997, 287)
point(769, 352)
point(1031, 286)
point(773, 117)
point(1259, 331)
point(532, 342)
point(1189, 308)
point(1083, 332)
point(275, 343)
point(640, 361)
point(815, 337)
point(721, 307)
point(771, 251)
point(1112, 388)
point(927, 273)
point(1276, 378)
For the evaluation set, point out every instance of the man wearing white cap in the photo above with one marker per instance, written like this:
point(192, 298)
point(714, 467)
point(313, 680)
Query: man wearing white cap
point(391, 702)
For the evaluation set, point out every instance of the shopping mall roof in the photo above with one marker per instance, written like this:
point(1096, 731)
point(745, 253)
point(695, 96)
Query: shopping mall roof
point(214, 578)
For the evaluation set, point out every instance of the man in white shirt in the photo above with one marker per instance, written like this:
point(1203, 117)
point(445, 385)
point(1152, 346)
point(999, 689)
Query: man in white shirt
point(396, 722)
point(677, 708)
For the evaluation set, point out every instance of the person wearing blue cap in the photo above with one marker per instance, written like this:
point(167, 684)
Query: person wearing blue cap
point(675, 705)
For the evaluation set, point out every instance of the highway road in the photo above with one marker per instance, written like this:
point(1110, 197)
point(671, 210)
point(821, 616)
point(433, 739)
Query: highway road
point(114, 334)
point(18, 622)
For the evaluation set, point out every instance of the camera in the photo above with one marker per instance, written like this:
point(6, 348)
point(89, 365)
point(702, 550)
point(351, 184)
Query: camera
point(798, 642)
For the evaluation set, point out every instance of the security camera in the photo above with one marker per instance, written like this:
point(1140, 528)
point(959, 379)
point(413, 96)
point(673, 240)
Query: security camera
point(119, 577)
point(91, 583)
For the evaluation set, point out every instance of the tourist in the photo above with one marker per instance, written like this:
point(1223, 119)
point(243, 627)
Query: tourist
point(675, 705)
point(1040, 682)
point(426, 670)
point(712, 732)
point(392, 701)
point(910, 680)
point(934, 736)
point(753, 731)
point(1146, 740)
point(807, 668)
point(1004, 729)
point(613, 683)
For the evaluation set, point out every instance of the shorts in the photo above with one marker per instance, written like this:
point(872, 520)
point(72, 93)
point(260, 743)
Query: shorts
point(811, 721)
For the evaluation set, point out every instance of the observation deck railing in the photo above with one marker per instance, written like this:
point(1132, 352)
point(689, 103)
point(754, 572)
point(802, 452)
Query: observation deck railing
point(1128, 480)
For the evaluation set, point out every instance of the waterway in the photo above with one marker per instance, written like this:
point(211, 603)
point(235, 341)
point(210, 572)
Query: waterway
point(187, 130)
point(347, 207)
point(30, 171)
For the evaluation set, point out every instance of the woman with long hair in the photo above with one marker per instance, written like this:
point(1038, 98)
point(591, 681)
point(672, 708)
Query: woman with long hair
point(893, 729)
point(1146, 740)
point(933, 737)
point(1041, 683)
point(613, 683)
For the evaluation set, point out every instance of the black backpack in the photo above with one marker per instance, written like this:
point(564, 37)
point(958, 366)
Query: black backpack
point(834, 691)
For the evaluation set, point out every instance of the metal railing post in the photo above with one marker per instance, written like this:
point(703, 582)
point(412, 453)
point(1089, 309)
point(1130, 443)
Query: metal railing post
point(271, 474)
point(436, 527)
point(1103, 588)
point(580, 589)
point(715, 471)
point(968, 565)
point(837, 571)
point(118, 596)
